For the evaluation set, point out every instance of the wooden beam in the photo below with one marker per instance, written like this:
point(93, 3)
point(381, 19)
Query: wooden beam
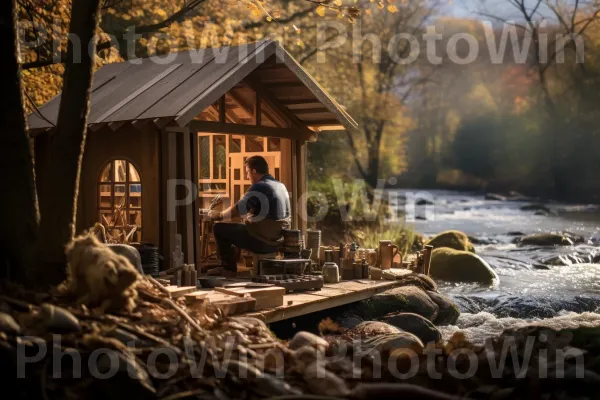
point(319, 122)
point(310, 111)
point(267, 97)
point(275, 85)
point(162, 122)
point(299, 101)
point(216, 127)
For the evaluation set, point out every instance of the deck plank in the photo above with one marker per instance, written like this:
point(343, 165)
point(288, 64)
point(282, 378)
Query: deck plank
point(332, 295)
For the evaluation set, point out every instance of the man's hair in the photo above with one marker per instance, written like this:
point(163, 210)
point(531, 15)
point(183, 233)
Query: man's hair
point(258, 163)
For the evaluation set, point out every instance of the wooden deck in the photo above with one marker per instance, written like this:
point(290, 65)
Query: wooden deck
point(331, 295)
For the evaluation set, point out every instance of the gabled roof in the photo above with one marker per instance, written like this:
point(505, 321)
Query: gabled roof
point(178, 86)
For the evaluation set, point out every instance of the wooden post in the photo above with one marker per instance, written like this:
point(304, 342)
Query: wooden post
point(427, 262)
point(188, 224)
point(168, 171)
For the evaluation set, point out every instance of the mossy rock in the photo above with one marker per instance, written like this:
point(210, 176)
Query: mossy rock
point(453, 239)
point(415, 324)
point(401, 299)
point(461, 266)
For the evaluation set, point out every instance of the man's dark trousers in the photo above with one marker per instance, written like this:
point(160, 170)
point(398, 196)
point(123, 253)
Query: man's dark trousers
point(228, 235)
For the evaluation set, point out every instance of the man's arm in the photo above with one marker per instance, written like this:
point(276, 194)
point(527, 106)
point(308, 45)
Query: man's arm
point(227, 214)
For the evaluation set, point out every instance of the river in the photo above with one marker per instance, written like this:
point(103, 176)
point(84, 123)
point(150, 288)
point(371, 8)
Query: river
point(568, 287)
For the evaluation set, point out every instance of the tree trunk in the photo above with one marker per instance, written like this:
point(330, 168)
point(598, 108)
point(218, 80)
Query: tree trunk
point(59, 191)
point(19, 215)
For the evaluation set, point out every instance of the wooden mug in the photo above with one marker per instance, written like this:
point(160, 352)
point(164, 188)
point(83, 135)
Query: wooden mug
point(387, 252)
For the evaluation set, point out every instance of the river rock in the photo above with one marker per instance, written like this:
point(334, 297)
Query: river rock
point(304, 338)
point(400, 299)
point(381, 391)
point(545, 239)
point(8, 324)
point(495, 196)
point(415, 324)
point(129, 252)
point(448, 311)
point(460, 266)
point(390, 342)
point(454, 239)
point(371, 329)
point(542, 209)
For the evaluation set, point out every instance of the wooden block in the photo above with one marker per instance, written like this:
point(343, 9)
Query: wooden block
point(231, 305)
point(177, 291)
point(269, 297)
point(197, 295)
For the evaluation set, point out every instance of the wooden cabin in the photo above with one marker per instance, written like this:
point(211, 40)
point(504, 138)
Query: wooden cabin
point(193, 116)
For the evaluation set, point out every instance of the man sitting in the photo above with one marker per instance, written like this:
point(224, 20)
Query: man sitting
point(266, 208)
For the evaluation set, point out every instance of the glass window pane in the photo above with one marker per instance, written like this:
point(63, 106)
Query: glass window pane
point(210, 114)
point(235, 144)
point(240, 103)
point(255, 144)
point(105, 176)
point(105, 196)
point(134, 176)
point(120, 173)
point(119, 196)
point(135, 195)
point(204, 143)
point(219, 157)
point(135, 218)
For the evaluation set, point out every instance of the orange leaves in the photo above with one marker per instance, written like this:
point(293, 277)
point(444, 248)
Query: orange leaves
point(320, 11)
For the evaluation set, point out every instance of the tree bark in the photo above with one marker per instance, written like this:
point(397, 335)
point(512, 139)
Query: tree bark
point(18, 202)
point(59, 190)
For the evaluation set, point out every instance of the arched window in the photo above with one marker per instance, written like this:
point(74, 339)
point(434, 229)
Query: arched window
point(120, 202)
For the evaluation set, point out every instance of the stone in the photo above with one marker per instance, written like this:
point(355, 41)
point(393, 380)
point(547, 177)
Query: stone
point(461, 266)
point(495, 196)
point(58, 320)
point(389, 342)
point(401, 299)
point(129, 252)
point(538, 208)
point(545, 239)
point(371, 329)
point(380, 391)
point(448, 312)
point(8, 324)
point(304, 338)
point(415, 324)
point(454, 239)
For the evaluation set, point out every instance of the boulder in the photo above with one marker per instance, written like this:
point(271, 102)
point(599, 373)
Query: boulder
point(460, 266)
point(401, 299)
point(448, 311)
point(454, 239)
point(415, 324)
point(129, 252)
point(545, 239)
